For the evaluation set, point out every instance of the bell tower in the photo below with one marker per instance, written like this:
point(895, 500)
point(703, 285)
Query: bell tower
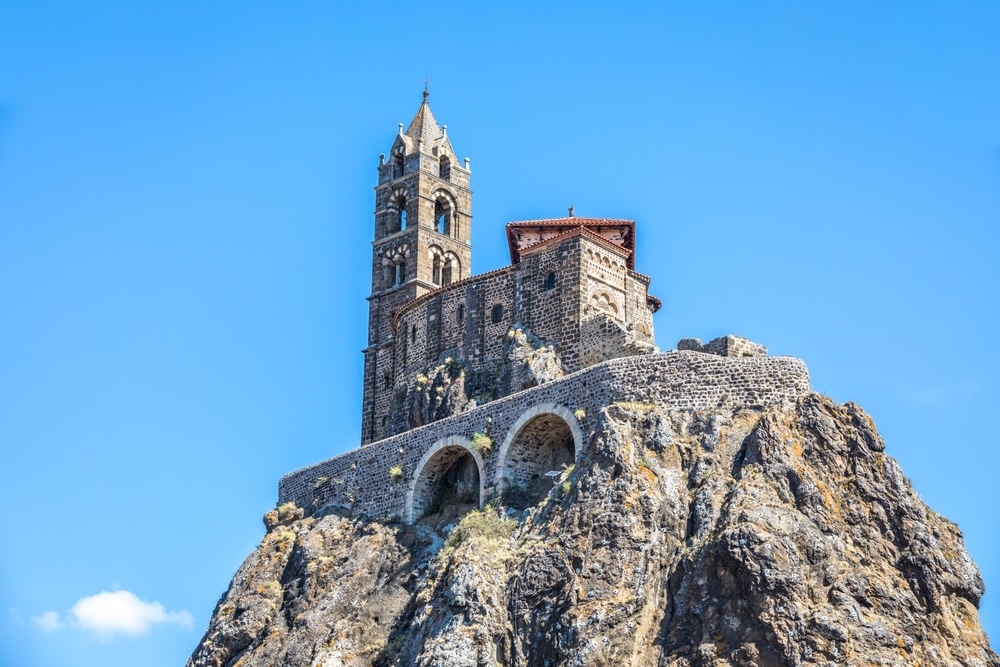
point(423, 216)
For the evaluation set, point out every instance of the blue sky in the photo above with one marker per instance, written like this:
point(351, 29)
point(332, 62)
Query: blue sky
point(185, 212)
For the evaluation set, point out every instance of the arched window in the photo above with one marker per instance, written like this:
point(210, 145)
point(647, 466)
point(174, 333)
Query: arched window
point(413, 333)
point(442, 217)
point(397, 165)
point(450, 270)
point(398, 213)
point(550, 280)
point(444, 168)
point(436, 275)
point(439, 214)
point(386, 381)
point(460, 313)
point(497, 313)
point(394, 265)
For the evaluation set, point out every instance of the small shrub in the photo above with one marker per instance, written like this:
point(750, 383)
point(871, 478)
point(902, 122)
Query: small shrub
point(580, 413)
point(320, 481)
point(481, 443)
point(635, 406)
point(283, 540)
point(288, 512)
point(485, 527)
point(396, 472)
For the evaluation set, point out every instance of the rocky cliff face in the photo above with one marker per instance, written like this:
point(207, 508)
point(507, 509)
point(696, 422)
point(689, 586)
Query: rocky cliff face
point(452, 387)
point(680, 538)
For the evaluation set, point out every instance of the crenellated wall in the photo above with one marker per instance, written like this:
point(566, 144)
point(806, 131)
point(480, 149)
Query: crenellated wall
point(363, 481)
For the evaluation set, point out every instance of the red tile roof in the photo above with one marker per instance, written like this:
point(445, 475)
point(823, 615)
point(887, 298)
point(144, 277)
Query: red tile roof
point(565, 227)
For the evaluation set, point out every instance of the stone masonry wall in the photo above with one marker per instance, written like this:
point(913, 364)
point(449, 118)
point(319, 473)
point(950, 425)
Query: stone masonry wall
point(361, 481)
point(456, 321)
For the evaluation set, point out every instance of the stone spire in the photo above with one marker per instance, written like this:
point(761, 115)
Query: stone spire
point(424, 125)
point(423, 218)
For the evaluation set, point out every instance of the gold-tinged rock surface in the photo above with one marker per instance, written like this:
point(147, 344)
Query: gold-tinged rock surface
point(680, 538)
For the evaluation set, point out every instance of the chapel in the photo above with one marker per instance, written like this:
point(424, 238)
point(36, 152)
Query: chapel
point(570, 298)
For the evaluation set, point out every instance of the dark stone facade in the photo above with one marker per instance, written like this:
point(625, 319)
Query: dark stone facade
point(572, 289)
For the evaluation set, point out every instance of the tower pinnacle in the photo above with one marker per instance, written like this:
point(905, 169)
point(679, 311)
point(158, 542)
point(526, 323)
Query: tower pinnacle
point(423, 216)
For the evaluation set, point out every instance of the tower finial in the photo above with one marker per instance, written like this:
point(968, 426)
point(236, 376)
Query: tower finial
point(427, 85)
point(571, 211)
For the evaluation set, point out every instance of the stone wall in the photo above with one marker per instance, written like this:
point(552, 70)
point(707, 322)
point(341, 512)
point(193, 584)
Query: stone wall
point(724, 346)
point(469, 321)
point(380, 479)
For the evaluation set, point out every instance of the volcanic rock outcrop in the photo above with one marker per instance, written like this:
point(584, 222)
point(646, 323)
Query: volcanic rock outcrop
point(780, 536)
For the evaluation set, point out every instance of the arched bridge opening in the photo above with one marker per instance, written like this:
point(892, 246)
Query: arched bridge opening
point(542, 444)
point(448, 484)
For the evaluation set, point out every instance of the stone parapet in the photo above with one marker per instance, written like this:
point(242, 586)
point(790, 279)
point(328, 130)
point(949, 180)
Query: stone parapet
point(378, 480)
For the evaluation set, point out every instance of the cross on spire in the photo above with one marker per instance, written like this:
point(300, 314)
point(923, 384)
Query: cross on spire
point(427, 84)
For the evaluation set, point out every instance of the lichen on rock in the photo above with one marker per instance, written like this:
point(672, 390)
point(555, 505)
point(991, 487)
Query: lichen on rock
point(527, 362)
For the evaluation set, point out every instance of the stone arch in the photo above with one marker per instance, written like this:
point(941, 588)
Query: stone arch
point(397, 212)
point(394, 202)
point(444, 214)
point(452, 268)
point(436, 255)
point(442, 457)
point(602, 301)
point(545, 437)
point(394, 265)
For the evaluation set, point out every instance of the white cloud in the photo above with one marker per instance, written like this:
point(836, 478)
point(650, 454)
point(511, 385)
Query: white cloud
point(108, 613)
point(48, 621)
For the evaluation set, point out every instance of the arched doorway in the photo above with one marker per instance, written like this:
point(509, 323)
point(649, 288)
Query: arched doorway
point(543, 442)
point(448, 483)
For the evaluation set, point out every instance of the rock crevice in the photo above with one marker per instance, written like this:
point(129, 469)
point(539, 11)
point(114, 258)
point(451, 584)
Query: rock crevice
point(680, 538)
